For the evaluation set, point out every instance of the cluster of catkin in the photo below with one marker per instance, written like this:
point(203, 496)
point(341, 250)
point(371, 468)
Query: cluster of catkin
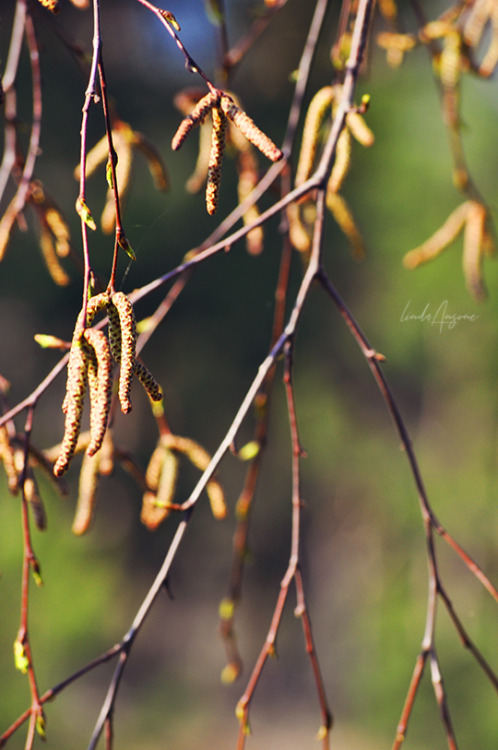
point(224, 110)
point(161, 478)
point(318, 117)
point(90, 367)
point(463, 32)
point(54, 235)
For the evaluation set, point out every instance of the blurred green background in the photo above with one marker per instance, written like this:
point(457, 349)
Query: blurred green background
point(363, 544)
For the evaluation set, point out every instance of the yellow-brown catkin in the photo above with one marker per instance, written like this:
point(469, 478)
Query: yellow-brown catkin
point(473, 250)
point(215, 159)
point(128, 330)
point(148, 381)
point(476, 20)
point(95, 304)
point(59, 228)
point(100, 396)
point(7, 456)
point(167, 481)
point(199, 176)
point(435, 245)
point(248, 178)
point(85, 507)
point(196, 117)
point(359, 129)
point(343, 216)
point(114, 332)
point(162, 469)
point(319, 107)
point(250, 130)
point(342, 162)
point(157, 167)
point(51, 258)
point(73, 405)
point(200, 458)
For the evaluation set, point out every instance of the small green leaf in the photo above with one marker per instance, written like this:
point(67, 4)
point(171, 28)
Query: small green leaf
point(85, 214)
point(108, 174)
point(49, 342)
point(40, 726)
point(125, 245)
point(169, 17)
point(20, 659)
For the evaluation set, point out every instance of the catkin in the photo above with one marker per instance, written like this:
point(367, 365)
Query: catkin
point(343, 216)
point(473, 250)
point(342, 162)
point(319, 106)
point(196, 117)
point(89, 476)
point(7, 456)
point(100, 394)
point(199, 175)
point(249, 129)
point(50, 256)
point(127, 360)
point(148, 381)
point(157, 168)
point(215, 158)
point(435, 245)
point(73, 404)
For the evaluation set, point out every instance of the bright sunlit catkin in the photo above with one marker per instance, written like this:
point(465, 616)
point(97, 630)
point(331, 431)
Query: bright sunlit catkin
point(319, 107)
point(196, 117)
point(148, 381)
point(100, 391)
point(440, 240)
point(73, 404)
point(88, 482)
point(473, 250)
point(215, 159)
point(127, 353)
point(248, 128)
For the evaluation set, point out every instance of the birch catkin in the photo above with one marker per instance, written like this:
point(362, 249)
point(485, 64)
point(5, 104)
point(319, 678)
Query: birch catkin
point(73, 404)
point(215, 159)
point(128, 331)
point(100, 394)
point(248, 128)
point(196, 117)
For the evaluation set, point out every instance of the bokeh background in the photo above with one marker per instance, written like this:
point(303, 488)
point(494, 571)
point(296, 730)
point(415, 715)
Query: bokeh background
point(363, 543)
